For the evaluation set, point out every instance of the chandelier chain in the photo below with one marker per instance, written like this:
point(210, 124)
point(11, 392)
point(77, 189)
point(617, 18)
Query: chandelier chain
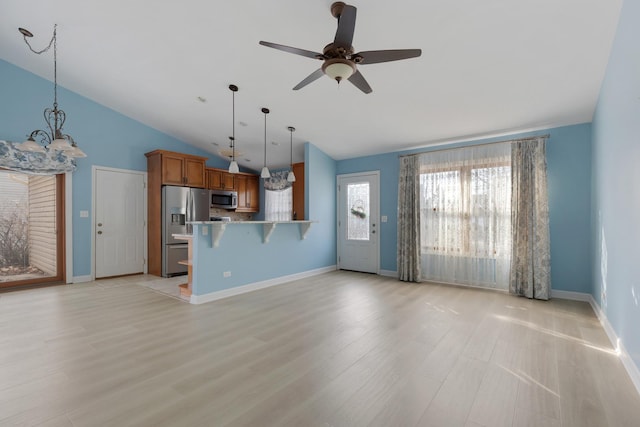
point(53, 42)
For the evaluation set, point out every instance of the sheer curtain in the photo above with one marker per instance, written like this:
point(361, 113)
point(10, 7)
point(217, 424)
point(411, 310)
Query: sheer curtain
point(531, 260)
point(278, 197)
point(278, 205)
point(465, 215)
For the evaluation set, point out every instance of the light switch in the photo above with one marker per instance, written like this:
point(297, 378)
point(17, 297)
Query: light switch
point(383, 218)
point(205, 230)
point(84, 214)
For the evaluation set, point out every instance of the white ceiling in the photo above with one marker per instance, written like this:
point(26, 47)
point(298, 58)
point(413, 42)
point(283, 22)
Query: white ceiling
point(487, 67)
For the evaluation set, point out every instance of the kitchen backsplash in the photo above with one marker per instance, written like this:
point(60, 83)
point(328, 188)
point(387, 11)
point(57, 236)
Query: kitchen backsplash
point(235, 216)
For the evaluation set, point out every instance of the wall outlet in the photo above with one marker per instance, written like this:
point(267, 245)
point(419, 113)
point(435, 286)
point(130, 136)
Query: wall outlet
point(84, 214)
point(226, 274)
point(383, 218)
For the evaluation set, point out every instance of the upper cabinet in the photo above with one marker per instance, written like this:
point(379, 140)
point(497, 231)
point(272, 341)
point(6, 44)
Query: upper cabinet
point(178, 169)
point(219, 179)
point(298, 191)
point(248, 189)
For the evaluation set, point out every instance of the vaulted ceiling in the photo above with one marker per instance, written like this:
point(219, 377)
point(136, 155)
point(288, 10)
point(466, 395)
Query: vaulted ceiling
point(487, 67)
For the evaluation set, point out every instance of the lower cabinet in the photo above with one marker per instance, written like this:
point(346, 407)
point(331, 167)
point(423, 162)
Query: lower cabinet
point(248, 189)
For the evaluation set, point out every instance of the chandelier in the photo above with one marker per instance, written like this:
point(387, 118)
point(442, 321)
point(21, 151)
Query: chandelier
point(54, 139)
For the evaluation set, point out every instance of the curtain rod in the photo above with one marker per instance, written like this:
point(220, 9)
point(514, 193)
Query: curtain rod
point(528, 138)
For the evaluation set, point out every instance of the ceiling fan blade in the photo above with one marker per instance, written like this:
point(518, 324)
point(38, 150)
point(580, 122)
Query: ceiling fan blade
point(310, 78)
point(377, 56)
point(346, 27)
point(358, 81)
point(294, 50)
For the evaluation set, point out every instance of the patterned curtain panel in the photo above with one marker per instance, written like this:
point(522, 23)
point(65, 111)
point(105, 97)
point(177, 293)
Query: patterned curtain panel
point(409, 220)
point(278, 181)
point(531, 259)
point(465, 217)
point(49, 163)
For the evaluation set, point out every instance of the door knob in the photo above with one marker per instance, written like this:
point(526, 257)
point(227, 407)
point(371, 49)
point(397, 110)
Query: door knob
point(373, 232)
point(99, 232)
point(99, 224)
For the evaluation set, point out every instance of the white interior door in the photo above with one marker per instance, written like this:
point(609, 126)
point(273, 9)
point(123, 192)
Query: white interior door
point(119, 222)
point(358, 222)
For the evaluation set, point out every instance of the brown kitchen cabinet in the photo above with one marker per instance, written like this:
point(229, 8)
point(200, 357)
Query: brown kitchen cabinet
point(248, 189)
point(219, 179)
point(167, 168)
point(177, 168)
point(298, 191)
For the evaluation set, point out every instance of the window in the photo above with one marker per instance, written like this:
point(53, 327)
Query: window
point(278, 205)
point(465, 215)
point(463, 209)
point(31, 226)
point(358, 218)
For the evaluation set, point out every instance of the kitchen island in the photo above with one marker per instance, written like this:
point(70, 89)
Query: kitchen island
point(229, 258)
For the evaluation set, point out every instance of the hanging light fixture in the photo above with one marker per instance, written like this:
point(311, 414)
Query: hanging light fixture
point(55, 139)
point(265, 170)
point(233, 166)
point(291, 177)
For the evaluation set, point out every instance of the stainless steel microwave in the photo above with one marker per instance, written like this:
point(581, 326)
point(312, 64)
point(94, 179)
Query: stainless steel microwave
point(224, 199)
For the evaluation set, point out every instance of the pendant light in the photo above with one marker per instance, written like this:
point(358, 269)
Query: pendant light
point(291, 177)
point(55, 139)
point(265, 170)
point(233, 166)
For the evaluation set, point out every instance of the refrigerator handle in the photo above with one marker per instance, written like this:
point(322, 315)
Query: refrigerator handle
point(188, 215)
point(188, 210)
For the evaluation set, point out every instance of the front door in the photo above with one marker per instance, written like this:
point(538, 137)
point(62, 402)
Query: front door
point(119, 222)
point(358, 225)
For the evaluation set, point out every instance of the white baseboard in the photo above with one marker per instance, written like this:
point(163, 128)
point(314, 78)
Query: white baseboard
point(81, 279)
point(389, 273)
point(623, 354)
point(226, 293)
point(625, 358)
point(570, 295)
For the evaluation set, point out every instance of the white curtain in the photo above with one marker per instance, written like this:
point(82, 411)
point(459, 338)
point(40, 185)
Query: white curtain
point(278, 197)
point(278, 204)
point(531, 259)
point(465, 215)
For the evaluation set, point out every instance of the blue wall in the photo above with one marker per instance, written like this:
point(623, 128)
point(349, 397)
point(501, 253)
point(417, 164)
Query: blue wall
point(320, 200)
point(569, 176)
point(616, 185)
point(109, 139)
point(242, 252)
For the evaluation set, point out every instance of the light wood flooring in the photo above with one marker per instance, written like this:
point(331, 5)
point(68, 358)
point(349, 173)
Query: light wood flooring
point(339, 349)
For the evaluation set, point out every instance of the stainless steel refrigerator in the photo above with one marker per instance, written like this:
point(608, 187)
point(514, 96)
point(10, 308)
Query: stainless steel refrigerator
point(179, 206)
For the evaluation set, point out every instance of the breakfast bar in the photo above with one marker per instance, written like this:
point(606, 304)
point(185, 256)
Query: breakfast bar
point(228, 258)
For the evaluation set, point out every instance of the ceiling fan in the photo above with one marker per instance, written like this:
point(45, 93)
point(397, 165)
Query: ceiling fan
point(340, 61)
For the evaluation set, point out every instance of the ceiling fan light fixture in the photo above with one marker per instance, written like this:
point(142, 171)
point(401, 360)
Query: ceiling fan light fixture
point(338, 69)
